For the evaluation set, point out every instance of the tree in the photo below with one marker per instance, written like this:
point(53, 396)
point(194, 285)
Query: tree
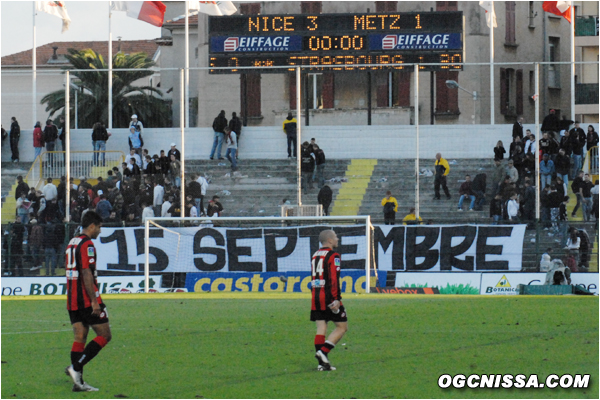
point(92, 86)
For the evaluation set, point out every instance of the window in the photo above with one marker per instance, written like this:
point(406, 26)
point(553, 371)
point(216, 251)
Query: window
point(554, 69)
point(531, 84)
point(319, 90)
point(311, 7)
point(250, 8)
point(393, 88)
point(250, 91)
point(446, 100)
point(510, 22)
point(386, 6)
point(446, 5)
point(511, 92)
point(532, 15)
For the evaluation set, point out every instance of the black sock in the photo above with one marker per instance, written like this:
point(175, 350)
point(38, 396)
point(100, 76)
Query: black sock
point(91, 351)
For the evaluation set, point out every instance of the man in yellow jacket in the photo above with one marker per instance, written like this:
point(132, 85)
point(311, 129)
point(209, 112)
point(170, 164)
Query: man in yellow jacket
point(290, 127)
point(441, 171)
point(390, 208)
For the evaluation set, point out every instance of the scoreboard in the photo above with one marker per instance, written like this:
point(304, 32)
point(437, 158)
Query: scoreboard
point(347, 41)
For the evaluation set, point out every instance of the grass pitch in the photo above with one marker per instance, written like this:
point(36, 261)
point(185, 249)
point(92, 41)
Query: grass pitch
point(261, 346)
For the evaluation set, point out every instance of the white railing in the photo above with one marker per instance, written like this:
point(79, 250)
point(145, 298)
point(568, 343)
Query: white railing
point(91, 164)
point(302, 211)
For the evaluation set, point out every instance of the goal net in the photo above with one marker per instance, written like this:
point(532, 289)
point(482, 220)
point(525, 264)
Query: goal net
point(220, 253)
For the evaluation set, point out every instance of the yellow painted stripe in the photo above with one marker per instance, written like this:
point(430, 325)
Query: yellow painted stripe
point(352, 192)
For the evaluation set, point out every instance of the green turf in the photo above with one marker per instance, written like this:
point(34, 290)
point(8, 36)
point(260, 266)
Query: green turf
point(213, 346)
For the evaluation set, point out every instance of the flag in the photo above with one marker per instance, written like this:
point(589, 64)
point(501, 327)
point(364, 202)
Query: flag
point(213, 7)
point(56, 8)
point(490, 14)
point(562, 8)
point(152, 12)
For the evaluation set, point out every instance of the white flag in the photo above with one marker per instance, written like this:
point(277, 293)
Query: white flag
point(490, 15)
point(213, 7)
point(56, 8)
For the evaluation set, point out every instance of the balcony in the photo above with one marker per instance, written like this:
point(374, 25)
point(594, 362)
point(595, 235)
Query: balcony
point(586, 26)
point(586, 93)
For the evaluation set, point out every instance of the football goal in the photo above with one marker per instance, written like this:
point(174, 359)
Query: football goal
point(257, 245)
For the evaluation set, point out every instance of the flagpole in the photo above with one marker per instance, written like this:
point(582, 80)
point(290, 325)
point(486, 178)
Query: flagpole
point(492, 115)
point(34, 71)
point(110, 67)
point(181, 99)
point(572, 62)
point(68, 145)
point(187, 64)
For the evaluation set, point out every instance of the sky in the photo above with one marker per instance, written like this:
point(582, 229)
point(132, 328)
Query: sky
point(89, 21)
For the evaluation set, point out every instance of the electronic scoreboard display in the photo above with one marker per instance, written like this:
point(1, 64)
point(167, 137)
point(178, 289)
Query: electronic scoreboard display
point(349, 42)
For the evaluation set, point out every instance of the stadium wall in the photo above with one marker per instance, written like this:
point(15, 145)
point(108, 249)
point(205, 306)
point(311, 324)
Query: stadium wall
point(339, 142)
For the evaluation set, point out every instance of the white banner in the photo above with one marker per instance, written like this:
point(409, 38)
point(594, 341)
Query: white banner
point(446, 282)
point(57, 285)
point(507, 284)
point(397, 248)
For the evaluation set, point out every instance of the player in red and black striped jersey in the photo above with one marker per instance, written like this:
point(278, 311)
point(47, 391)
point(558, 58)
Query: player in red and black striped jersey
point(84, 303)
point(326, 298)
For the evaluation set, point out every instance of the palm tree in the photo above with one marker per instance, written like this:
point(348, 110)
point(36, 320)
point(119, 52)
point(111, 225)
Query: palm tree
point(92, 86)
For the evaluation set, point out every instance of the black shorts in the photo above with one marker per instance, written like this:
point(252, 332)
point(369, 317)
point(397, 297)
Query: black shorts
point(328, 315)
point(87, 319)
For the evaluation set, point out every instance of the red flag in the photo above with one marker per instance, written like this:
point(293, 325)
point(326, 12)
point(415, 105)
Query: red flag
point(562, 8)
point(152, 12)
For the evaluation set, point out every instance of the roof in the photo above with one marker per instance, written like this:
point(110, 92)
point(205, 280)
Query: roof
point(45, 52)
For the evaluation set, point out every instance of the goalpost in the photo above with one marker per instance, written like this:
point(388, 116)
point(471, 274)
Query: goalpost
point(259, 244)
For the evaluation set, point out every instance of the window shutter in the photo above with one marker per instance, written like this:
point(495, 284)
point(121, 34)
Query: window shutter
point(328, 89)
point(441, 92)
point(252, 98)
point(250, 8)
point(311, 7)
point(503, 91)
point(382, 94)
point(386, 6)
point(519, 100)
point(292, 80)
point(446, 5)
point(404, 88)
point(510, 22)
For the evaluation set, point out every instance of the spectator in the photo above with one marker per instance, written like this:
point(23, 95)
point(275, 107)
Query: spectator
point(36, 244)
point(23, 206)
point(498, 175)
point(38, 139)
point(219, 124)
point(61, 192)
point(15, 242)
point(117, 174)
point(324, 198)
point(22, 187)
point(465, 191)
point(203, 188)
point(585, 247)
point(390, 208)
point(554, 201)
point(512, 209)
point(214, 208)
point(133, 155)
point(235, 124)
point(518, 128)
point(545, 264)
point(479, 187)
point(166, 206)
point(550, 122)
point(546, 170)
point(566, 143)
point(190, 209)
point(411, 218)
point(499, 150)
point(15, 134)
point(116, 200)
point(136, 142)
point(585, 189)
point(175, 152)
point(83, 182)
point(562, 164)
point(147, 212)
point(307, 167)
point(518, 159)
point(562, 221)
point(578, 141)
point(175, 170)
point(530, 145)
point(231, 141)
point(516, 142)
point(563, 125)
point(290, 126)
point(320, 163)
point(99, 138)
point(134, 168)
point(592, 138)
point(441, 172)
point(52, 244)
point(528, 202)
point(50, 191)
point(194, 189)
point(103, 208)
point(4, 134)
point(62, 136)
point(558, 274)
point(164, 162)
point(50, 136)
point(594, 191)
point(512, 172)
point(573, 244)
point(548, 145)
point(159, 193)
point(150, 167)
point(575, 187)
point(136, 124)
point(40, 203)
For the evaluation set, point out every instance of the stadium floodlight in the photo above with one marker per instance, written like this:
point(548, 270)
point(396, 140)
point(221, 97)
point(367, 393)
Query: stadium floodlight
point(180, 244)
point(452, 84)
